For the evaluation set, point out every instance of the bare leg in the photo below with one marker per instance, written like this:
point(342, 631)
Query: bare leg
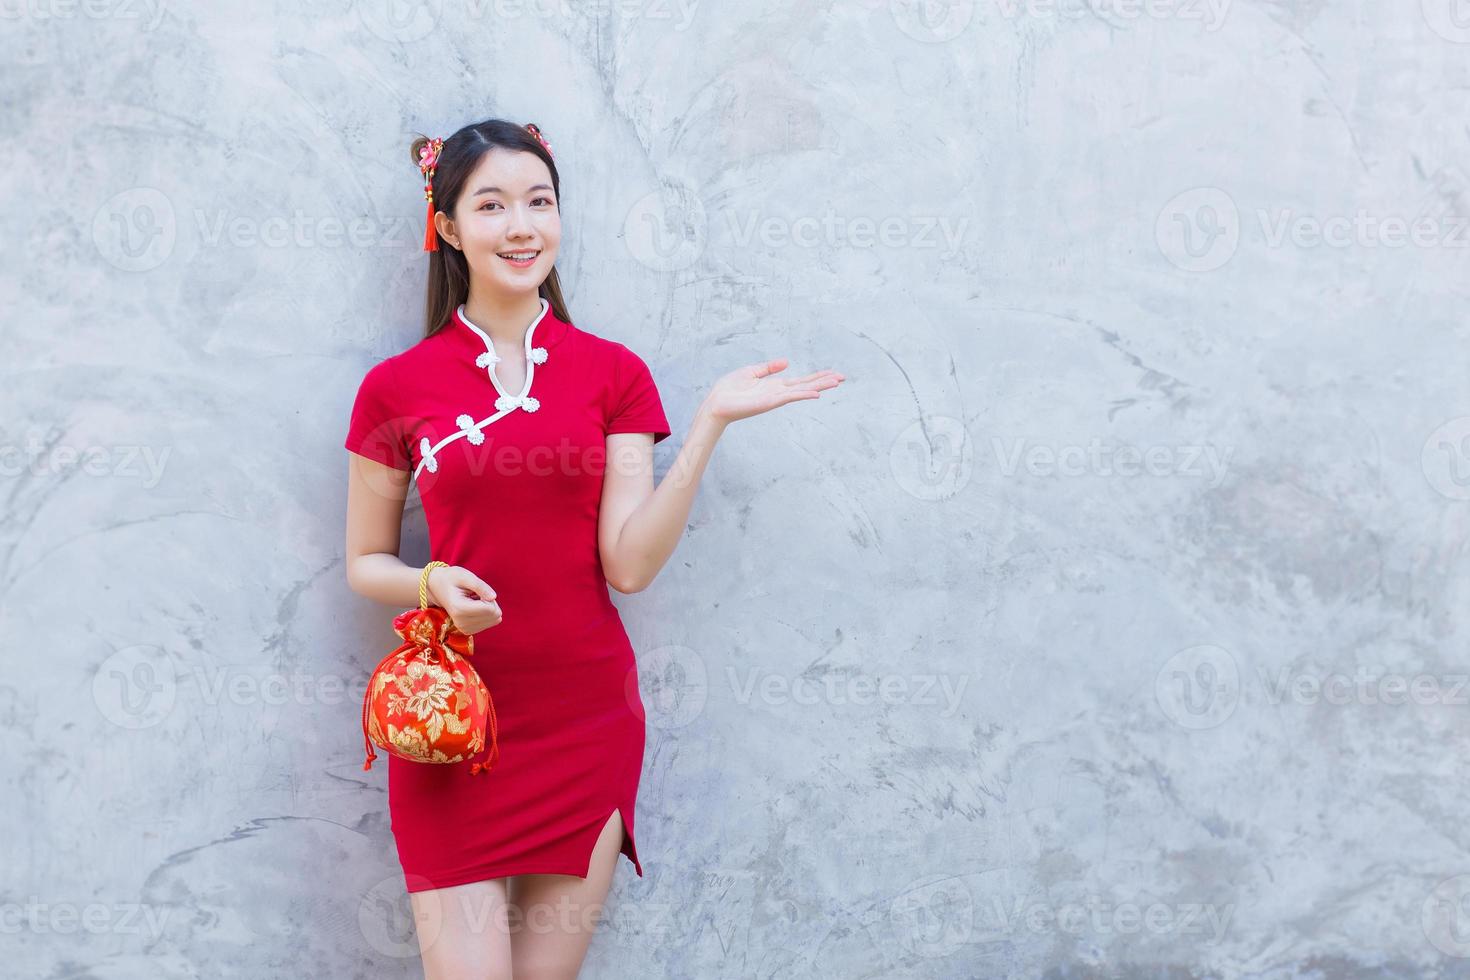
point(464, 931)
point(557, 914)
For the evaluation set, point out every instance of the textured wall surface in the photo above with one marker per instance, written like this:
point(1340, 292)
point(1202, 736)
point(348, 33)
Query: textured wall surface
point(1109, 621)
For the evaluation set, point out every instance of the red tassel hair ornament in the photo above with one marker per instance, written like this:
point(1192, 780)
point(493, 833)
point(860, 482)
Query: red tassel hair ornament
point(428, 162)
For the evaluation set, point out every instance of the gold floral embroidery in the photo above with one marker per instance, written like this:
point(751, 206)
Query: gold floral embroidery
point(429, 697)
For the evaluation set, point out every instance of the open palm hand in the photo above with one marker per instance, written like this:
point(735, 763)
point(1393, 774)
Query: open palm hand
point(754, 389)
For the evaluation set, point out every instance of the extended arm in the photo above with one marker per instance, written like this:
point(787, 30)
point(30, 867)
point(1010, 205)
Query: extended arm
point(639, 526)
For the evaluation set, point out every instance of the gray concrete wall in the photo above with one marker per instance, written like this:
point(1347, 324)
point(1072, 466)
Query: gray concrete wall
point(1108, 621)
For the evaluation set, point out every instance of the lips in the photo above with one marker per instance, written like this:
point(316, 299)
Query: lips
point(521, 259)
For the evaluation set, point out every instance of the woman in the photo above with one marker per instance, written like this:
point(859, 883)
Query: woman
point(530, 442)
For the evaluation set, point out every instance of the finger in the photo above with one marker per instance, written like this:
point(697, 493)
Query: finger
point(815, 377)
point(770, 367)
point(481, 590)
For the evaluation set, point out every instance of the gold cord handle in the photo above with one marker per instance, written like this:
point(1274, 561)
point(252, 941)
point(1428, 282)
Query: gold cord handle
point(424, 582)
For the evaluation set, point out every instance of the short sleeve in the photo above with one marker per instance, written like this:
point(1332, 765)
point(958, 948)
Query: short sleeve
point(376, 428)
point(636, 406)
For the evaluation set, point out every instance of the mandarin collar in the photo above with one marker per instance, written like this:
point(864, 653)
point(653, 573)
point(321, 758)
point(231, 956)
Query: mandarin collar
point(546, 330)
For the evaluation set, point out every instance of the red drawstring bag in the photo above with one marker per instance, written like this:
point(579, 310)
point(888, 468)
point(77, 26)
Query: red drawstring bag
point(424, 701)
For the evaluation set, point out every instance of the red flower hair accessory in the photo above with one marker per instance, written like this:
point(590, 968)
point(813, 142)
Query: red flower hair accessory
point(535, 131)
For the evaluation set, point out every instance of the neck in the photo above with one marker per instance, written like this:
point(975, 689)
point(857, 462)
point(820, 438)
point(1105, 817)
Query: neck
point(504, 317)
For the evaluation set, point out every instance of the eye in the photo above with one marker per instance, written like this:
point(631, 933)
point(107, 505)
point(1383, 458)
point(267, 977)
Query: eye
point(545, 199)
point(488, 203)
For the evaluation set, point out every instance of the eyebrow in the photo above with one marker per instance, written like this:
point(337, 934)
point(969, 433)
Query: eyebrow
point(501, 190)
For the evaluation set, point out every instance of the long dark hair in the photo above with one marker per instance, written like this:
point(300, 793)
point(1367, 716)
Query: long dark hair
point(449, 273)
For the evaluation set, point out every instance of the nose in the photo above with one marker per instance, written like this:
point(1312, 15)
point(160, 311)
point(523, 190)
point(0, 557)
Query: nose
point(520, 223)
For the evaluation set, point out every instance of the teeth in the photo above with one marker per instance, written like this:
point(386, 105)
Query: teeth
point(518, 256)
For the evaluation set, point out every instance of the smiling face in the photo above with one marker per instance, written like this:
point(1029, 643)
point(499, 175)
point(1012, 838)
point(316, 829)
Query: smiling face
point(506, 222)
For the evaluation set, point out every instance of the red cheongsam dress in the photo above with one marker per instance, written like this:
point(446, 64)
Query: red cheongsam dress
point(510, 484)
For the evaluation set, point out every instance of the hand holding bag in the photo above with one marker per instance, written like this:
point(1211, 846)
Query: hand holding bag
point(424, 701)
